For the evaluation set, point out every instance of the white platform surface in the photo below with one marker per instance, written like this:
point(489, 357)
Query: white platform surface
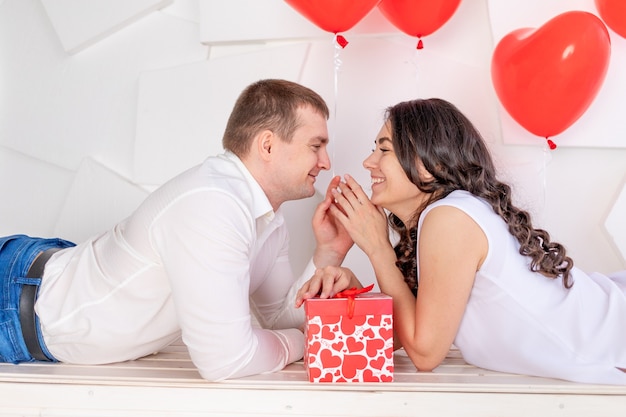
point(167, 384)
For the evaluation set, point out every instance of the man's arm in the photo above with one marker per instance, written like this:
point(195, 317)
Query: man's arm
point(205, 240)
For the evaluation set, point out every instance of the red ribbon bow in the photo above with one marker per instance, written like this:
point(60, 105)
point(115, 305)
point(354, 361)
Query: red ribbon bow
point(351, 294)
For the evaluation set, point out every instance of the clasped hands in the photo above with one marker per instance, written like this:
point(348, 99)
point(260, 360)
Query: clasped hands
point(350, 210)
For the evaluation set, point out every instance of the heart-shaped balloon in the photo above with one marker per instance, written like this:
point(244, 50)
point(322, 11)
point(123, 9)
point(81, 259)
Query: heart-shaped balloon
point(613, 12)
point(546, 78)
point(418, 17)
point(334, 15)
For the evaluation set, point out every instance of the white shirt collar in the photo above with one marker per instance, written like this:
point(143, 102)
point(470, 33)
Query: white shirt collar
point(261, 206)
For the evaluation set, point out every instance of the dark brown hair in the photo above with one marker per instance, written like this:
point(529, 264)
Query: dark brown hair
point(268, 104)
point(453, 151)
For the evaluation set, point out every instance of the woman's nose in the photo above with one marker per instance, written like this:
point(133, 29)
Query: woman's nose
point(369, 162)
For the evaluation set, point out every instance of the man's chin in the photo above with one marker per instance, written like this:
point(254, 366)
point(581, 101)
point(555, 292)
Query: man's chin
point(310, 192)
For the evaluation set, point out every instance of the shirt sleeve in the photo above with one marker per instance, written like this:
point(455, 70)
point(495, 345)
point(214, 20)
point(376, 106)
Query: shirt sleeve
point(205, 240)
point(274, 300)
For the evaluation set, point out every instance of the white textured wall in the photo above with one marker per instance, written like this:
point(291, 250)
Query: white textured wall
point(102, 100)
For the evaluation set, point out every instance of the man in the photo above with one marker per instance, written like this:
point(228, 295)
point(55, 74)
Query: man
point(197, 258)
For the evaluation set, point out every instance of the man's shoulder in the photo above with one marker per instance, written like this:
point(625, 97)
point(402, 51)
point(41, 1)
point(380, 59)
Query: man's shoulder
point(214, 172)
point(216, 176)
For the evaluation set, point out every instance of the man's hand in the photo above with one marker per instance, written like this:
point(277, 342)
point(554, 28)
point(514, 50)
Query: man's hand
point(333, 241)
point(327, 282)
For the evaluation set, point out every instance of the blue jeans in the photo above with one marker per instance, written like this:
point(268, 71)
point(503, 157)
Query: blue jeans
point(17, 253)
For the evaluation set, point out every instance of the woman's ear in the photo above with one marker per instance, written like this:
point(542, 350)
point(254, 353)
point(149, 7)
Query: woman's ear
point(424, 174)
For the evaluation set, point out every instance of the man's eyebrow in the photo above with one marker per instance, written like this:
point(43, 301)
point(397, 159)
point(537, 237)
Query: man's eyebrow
point(322, 139)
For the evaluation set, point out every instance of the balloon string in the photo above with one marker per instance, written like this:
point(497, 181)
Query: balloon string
point(546, 159)
point(415, 67)
point(337, 64)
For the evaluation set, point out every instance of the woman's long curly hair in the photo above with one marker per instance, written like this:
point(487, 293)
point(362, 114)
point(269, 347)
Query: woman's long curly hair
point(435, 132)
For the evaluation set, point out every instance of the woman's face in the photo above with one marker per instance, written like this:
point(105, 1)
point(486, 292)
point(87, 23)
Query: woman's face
point(391, 188)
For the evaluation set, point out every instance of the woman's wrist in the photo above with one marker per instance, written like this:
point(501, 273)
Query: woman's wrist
point(381, 253)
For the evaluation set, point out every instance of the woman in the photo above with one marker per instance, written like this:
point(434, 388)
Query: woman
point(469, 267)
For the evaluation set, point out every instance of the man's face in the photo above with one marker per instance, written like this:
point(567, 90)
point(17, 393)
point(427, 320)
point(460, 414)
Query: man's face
point(298, 163)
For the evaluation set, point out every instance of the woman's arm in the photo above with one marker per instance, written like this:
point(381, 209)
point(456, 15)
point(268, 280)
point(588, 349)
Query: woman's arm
point(452, 248)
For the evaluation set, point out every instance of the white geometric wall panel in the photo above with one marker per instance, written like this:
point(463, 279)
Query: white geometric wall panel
point(61, 108)
point(33, 192)
point(81, 23)
point(602, 123)
point(228, 21)
point(615, 223)
point(97, 200)
point(184, 9)
point(182, 111)
point(525, 169)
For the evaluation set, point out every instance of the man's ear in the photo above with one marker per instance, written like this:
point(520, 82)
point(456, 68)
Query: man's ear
point(264, 142)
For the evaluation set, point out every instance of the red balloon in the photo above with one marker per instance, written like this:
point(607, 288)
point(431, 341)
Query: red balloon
point(418, 17)
point(334, 15)
point(546, 78)
point(613, 12)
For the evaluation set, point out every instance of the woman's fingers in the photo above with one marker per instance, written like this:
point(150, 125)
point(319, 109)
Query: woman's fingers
point(332, 185)
point(353, 193)
point(356, 189)
point(346, 199)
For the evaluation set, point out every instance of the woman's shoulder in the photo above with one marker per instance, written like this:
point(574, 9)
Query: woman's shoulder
point(475, 207)
point(461, 199)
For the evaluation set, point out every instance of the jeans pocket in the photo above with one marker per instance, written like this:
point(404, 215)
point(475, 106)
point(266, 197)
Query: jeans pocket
point(9, 343)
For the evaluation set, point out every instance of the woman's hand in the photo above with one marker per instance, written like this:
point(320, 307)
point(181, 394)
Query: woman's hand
point(366, 223)
point(327, 282)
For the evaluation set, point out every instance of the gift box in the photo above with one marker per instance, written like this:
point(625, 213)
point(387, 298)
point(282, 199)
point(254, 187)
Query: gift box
point(349, 338)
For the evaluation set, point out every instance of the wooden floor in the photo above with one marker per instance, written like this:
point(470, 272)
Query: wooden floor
point(167, 384)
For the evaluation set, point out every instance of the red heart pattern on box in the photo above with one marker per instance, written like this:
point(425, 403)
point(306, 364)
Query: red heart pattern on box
point(340, 349)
